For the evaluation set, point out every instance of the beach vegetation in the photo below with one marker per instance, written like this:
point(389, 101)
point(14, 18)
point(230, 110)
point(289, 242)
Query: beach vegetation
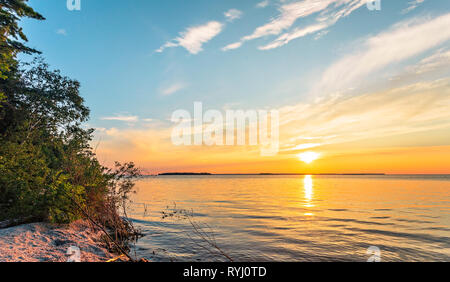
point(48, 169)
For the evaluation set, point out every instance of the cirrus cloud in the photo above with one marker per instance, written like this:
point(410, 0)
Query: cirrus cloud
point(233, 14)
point(262, 4)
point(173, 89)
point(328, 13)
point(123, 118)
point(412, 5)
point(193, 38)
point(403, 41)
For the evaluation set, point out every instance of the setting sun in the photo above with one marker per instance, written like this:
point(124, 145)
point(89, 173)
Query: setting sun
point(308, 157)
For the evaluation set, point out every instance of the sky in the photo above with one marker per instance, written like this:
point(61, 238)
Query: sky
point(366, 90)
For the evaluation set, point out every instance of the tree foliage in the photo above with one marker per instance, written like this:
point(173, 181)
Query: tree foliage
point(11, 34)
point(48, 170)
point(46, 161)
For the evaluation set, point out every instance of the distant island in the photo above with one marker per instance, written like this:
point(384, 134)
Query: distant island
point(184, 173)
point(207, 173)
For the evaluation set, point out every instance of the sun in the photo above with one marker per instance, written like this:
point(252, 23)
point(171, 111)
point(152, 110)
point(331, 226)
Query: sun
point(308, 157)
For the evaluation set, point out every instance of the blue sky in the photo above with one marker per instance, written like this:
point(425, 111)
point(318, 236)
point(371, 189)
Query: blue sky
point(109, 46)
point(140, 60)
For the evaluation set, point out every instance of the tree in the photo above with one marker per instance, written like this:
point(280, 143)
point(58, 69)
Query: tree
point(38, 98)
point(48, 170)
point(43, 145)
point(11, 35)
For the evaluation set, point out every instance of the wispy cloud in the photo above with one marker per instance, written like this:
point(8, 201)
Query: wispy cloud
point(436, 63)
point(173, 89)
point(289, 14)
point(412, 5)
point(193, 38)
point(123, 118)
point(232, 15)
point(302, 147)
point(232, 46)
point(404, 40)
point(328, 13)
point(416, 107)
point(297, 33)
point(321, 34)
point(262, 4)
point(61, 31)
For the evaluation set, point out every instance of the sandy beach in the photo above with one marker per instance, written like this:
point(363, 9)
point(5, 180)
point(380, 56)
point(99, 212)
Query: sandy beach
point(41, 242)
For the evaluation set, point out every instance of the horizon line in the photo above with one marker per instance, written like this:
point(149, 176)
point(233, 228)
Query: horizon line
point(268, 174)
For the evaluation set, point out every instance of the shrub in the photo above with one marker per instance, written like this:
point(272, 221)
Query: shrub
point(48, 170)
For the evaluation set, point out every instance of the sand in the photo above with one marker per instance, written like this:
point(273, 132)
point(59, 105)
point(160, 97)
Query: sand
point(41, 242)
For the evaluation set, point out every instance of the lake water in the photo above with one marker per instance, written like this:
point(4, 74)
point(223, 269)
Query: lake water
point(295, 218)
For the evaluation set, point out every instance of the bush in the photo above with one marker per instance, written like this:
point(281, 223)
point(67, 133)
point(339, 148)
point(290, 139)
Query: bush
point(48, 171)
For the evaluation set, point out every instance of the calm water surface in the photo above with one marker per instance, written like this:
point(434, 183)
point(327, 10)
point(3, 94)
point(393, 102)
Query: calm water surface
point(296, 218)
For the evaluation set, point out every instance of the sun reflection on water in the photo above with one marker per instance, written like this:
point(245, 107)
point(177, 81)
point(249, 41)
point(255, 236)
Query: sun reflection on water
point(308, 187)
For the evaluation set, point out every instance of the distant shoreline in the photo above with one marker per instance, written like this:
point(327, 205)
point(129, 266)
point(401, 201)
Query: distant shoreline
point(286, 174)
point(260, 174)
